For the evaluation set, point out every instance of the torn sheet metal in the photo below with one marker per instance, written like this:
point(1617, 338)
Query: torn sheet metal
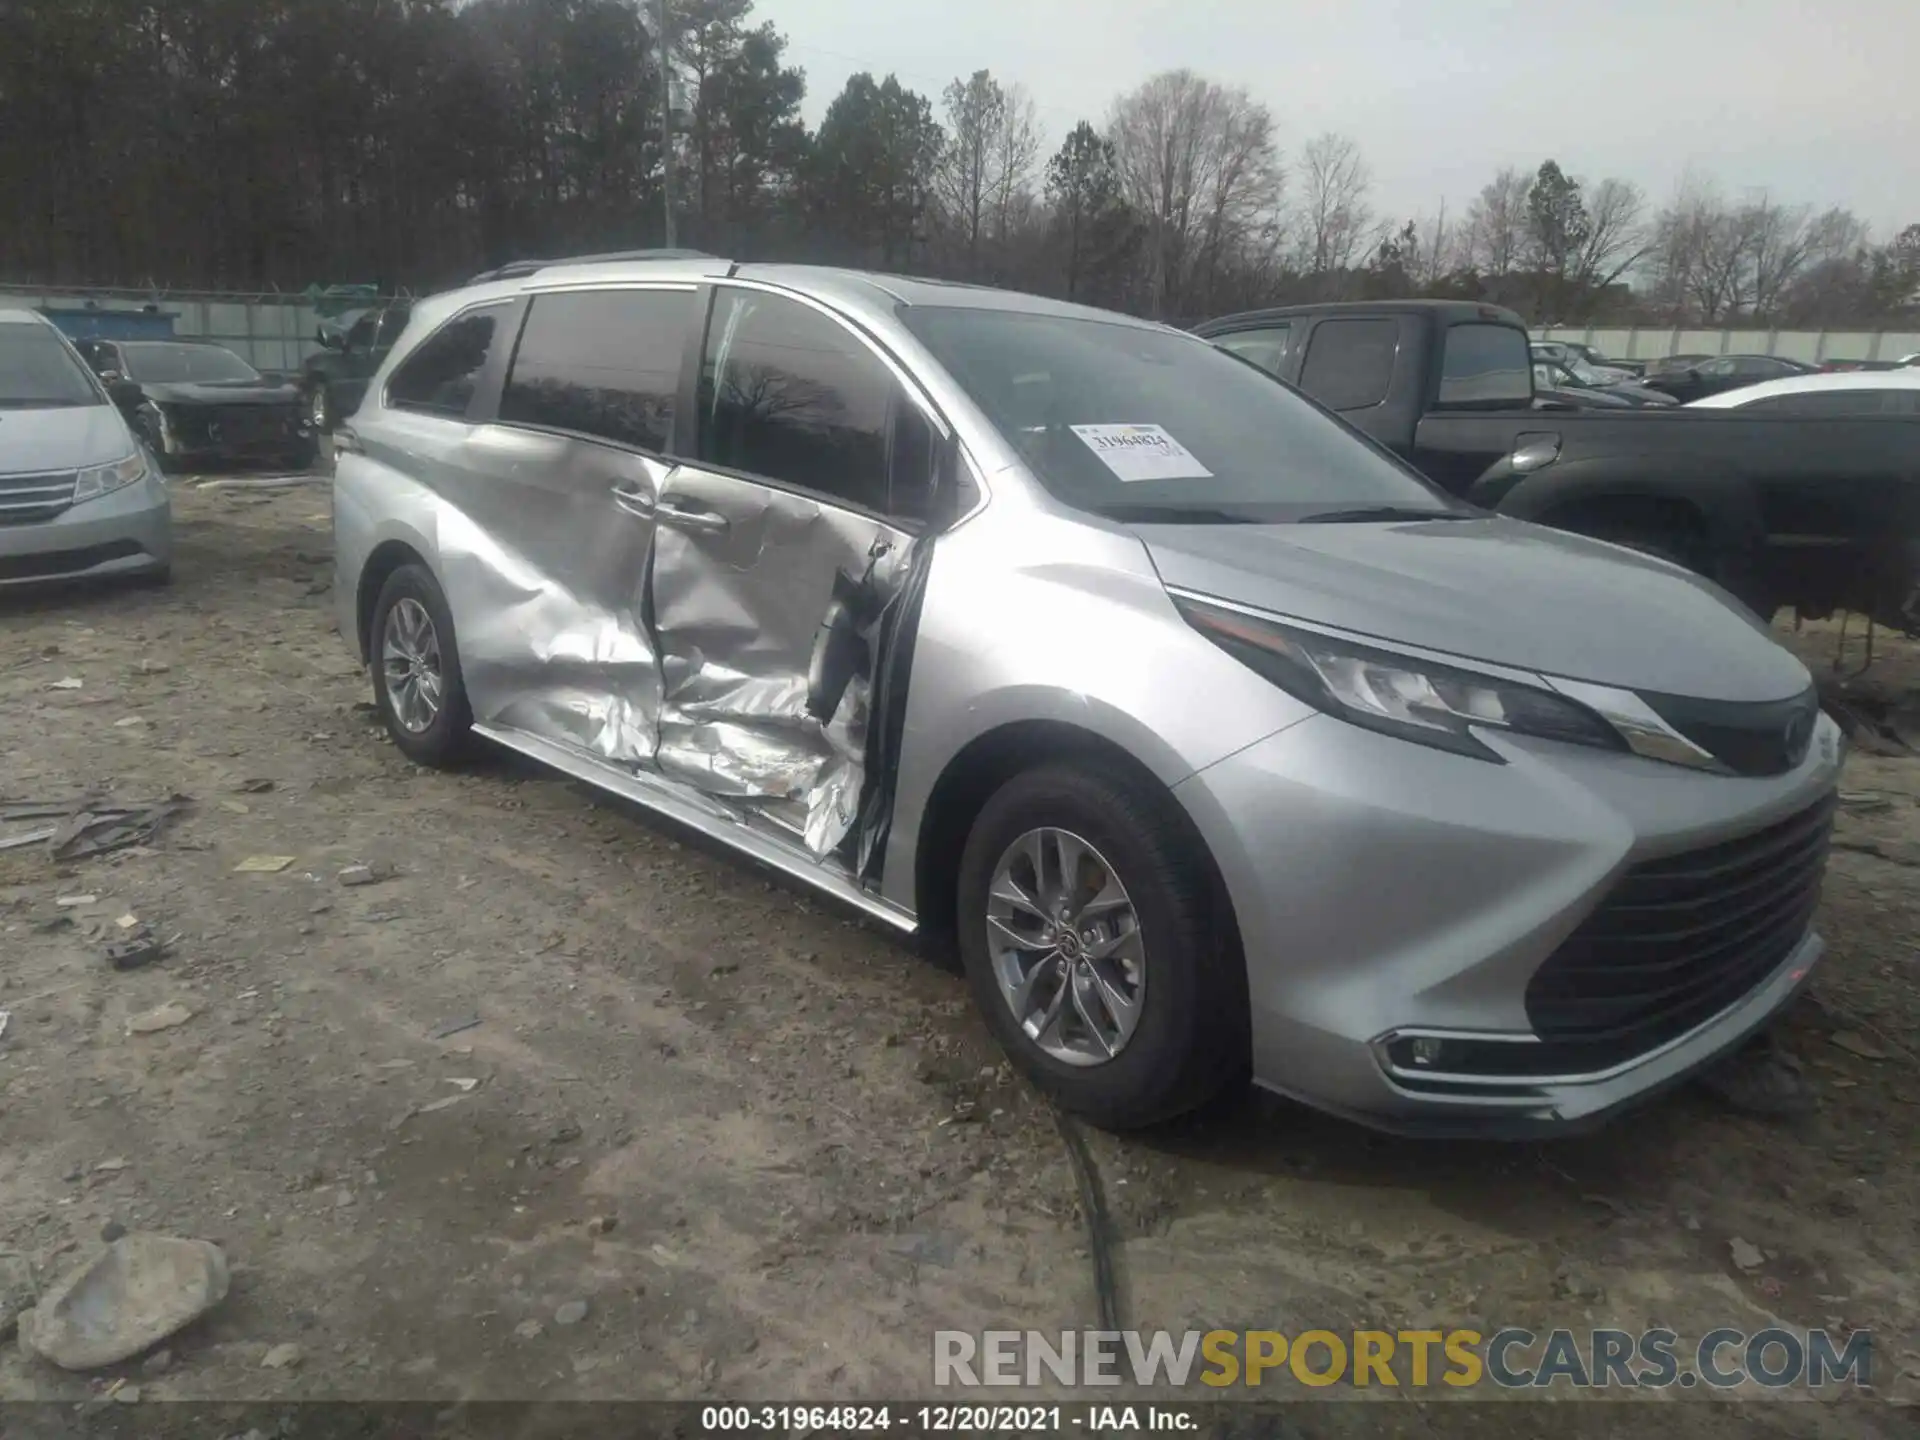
point(553, 638)
point(739, 614)
point(88, 825)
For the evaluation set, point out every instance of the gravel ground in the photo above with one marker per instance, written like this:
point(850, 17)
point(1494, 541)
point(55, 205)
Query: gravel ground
point(567, 1057)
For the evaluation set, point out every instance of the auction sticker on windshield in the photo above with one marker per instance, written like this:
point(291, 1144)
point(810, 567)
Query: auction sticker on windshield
point(1142, 452)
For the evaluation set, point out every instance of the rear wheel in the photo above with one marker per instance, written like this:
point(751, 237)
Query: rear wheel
point(1090, 937)
point(416, 670)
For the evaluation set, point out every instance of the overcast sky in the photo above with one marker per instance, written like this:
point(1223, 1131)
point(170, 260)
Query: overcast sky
point(1817, 101)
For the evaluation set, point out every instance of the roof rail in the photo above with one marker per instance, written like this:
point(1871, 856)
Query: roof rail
point(518, 269)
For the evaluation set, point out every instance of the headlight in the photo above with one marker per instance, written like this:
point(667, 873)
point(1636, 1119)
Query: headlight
point(103, 479)
point(1396, 694)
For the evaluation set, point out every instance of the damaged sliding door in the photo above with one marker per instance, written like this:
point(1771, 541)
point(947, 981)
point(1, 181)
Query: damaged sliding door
point(778, 551)
point(563, 487)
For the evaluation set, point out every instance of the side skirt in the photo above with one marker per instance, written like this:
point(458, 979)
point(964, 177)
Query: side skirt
point(698, 812)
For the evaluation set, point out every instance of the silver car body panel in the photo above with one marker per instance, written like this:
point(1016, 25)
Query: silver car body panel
point(1380, 887)
point(123, 532)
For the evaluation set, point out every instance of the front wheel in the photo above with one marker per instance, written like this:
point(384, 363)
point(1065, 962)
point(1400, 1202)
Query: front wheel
point(318, 400)
point(1091, 937)
point(416, 670)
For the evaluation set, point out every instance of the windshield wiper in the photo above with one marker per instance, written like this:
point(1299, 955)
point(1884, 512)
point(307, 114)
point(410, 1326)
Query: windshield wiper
point(1381, 512)
point(1146, 513)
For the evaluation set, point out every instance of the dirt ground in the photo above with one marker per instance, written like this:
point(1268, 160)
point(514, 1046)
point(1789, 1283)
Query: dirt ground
point(769, 1147)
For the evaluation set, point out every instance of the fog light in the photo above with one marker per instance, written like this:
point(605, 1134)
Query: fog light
point(1426, 1050)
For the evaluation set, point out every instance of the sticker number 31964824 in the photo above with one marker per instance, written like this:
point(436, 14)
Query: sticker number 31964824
point(1142, 452)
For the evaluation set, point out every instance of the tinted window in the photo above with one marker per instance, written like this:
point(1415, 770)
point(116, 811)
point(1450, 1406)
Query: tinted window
point(1717, 367)
point(603, 363)
point(1266, 348)
point(439, 376)
point(1484, 366)
point(37, 369)
point(392, 322)
point(160, 364)
point(789, 394)
point(1350, 362)
point(1096, 409)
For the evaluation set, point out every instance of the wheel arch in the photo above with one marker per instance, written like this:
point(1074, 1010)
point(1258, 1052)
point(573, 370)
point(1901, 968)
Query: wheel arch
point(385, 558)
point(988, 761)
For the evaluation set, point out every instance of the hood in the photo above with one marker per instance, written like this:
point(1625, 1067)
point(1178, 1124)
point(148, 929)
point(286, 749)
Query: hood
point(67, 438)
point(1496, 590)
point(223, 392)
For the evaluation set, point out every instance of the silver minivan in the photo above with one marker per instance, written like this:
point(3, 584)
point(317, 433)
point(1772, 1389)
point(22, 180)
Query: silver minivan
point(1219, 740)
point(80, 497)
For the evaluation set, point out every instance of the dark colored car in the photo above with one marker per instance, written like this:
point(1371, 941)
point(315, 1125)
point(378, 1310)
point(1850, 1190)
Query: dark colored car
point(197, 403)
point(1556, 382)
point(332, 382)
point(1816, 513)
point(1724, 372)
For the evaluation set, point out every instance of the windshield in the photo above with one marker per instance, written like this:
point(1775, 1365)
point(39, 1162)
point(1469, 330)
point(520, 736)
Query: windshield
point(153, 364)
point(36, 369)
point(1150, 425)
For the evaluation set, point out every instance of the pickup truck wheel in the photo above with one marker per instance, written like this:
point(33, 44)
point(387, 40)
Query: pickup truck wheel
point(318, 400)
point(1091, 942)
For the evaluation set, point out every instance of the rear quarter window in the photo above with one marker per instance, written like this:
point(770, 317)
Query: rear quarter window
point(439, 377)
point(1349, 363)
point(1485, 367)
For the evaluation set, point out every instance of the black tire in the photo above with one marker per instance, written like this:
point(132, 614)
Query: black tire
point(447, 739)
point(305, 455)
point(1192, 1035)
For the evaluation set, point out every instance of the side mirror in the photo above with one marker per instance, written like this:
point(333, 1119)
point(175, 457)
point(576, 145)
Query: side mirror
point(109, 377)
point(330, 338)
point(123, 392)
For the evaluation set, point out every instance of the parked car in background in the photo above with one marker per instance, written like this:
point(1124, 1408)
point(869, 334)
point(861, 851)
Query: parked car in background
point(1906, 360)
point(1577, 359)
point(1724, 372)
point(79, 496)
point(1666, 364)
point(1856, 392)
point(907, 590)
point(1559, 382)
point(1819, 514)
point(332, 382)
point(197, 403)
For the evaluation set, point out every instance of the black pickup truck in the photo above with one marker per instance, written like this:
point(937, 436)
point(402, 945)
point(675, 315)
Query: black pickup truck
point(1819, 514)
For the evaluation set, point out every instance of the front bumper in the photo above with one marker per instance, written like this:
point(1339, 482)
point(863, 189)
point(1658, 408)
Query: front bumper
point(126, 532)
point(1384, 888)
point(274, 434)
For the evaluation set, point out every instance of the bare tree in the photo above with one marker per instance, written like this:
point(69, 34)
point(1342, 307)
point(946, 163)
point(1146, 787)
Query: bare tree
point(1335, 220)
point(1016, 152)
point(1616, 238)
point(1497, 223)
point(1437, 251)
point(966, 180)
point(1199, 166)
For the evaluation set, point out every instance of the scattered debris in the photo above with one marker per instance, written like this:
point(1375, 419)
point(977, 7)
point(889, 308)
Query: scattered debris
point(566, 1134)
point(124, 1393)
point(1854, 1043)
point(164, 1017)
point(135, 952)
point(366, 874)
point(282, 1357)
point(128, 922)
point(1572, 1284)
point(236, 807)
point(1761, 1080)
point(264, 864)
point(89, 824)
point(254, 787)
point(571, 1313)
point(6, 1018)
point(529, 1329)
point(127, 1298)
point(129, 722)
point(76, 902)
point(1745, 1254)
point(112, 1231)
point(454, 1027)
point(110, 1167)
point(602, 1224)
point(154, 667)
point(1865, 801)
point(462, 1083)
point(444, 1103)
point(158, 1363)
point(71, 682)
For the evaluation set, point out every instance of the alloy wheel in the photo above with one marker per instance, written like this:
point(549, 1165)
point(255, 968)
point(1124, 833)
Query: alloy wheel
point(410, 662)
point(1065, 944)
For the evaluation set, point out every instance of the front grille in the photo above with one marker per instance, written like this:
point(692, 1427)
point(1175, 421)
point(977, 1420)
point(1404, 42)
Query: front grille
point(237, 424)
point(1749, 739)
point(1679, 939)
point(27, 499)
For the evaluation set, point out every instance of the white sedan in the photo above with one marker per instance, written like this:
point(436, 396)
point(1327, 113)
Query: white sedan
point(1849, 392)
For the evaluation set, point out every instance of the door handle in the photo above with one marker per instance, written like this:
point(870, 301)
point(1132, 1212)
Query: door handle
point(635, 502)
point(700, 522)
